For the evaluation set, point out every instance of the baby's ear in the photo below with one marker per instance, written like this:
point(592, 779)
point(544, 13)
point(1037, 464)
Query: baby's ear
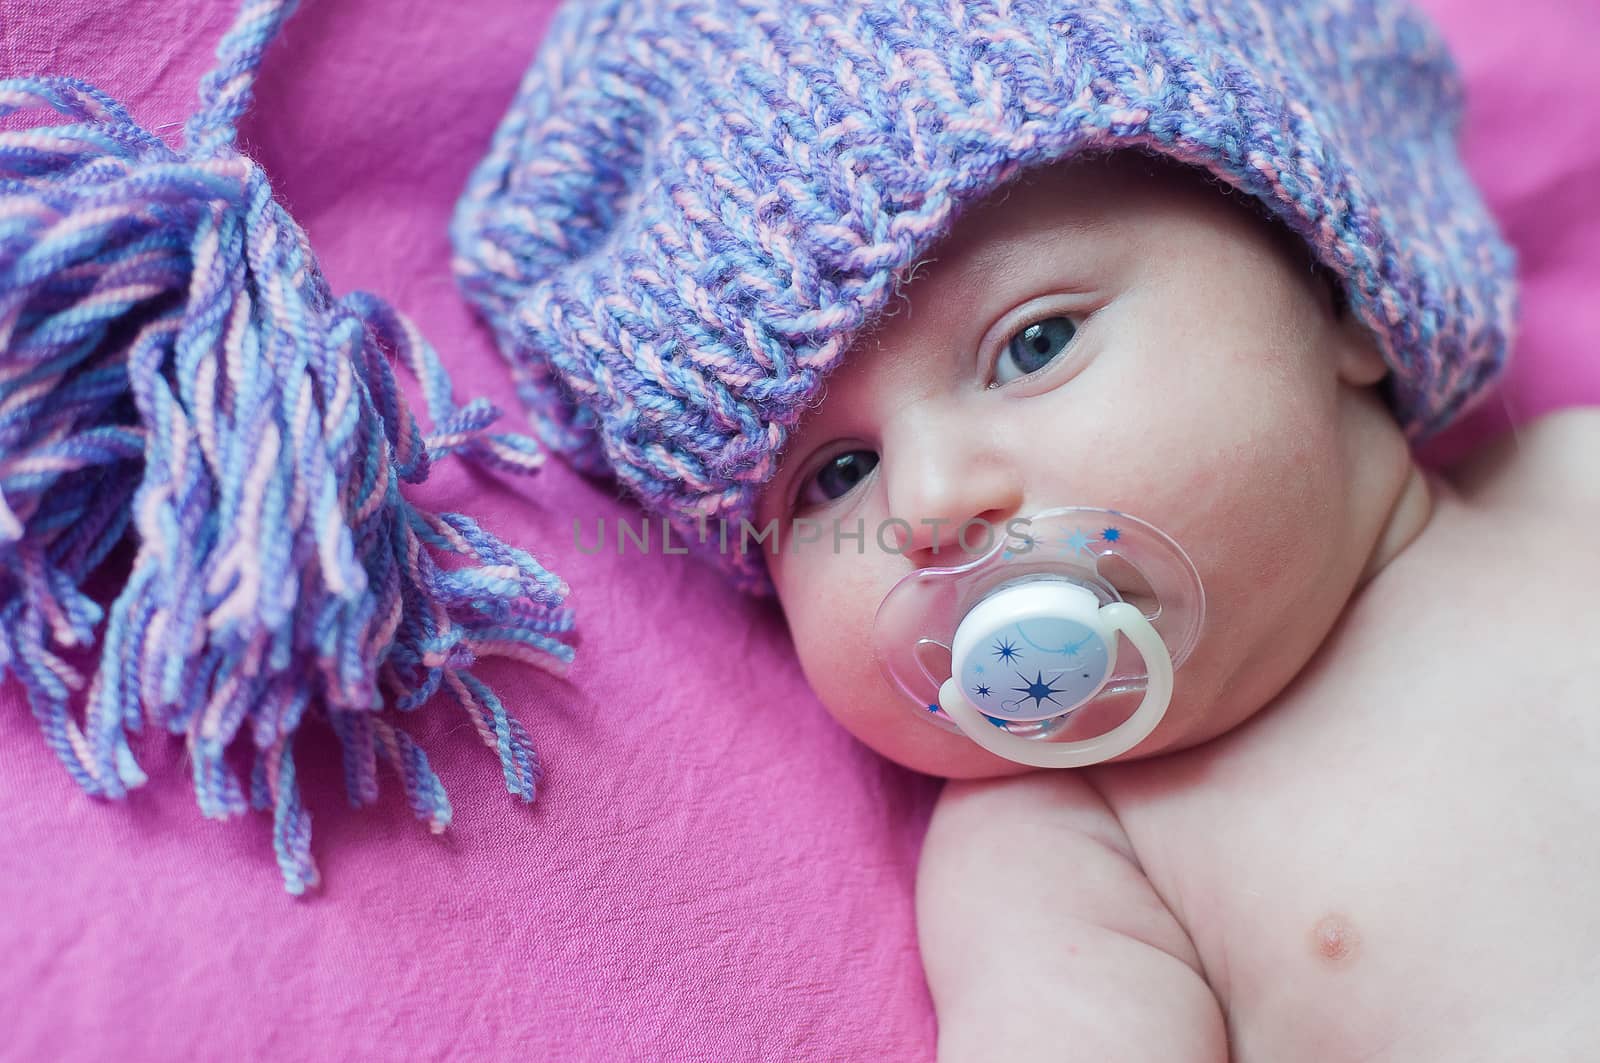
point(1361, 364)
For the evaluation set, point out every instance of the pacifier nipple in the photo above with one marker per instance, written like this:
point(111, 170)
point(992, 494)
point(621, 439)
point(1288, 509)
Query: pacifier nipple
point(1034, 632)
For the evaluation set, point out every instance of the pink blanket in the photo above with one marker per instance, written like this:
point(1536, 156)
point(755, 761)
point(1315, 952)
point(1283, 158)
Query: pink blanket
point(713, 869)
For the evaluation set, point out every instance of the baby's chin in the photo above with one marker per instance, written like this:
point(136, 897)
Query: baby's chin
point(945, 754)
point(925, 746)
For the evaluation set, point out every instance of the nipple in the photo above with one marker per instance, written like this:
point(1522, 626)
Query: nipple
point(1335, 939)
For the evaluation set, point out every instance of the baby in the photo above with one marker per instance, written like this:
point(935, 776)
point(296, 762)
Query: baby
point(1207, 271)
point(1363, 829)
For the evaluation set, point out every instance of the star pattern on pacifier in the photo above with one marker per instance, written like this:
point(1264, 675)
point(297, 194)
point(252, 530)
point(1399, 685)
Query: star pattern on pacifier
point(1076, 543)
point(1039, 690)
point(1005, 650)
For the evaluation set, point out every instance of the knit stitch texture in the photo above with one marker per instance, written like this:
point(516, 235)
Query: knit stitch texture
point(693, 206)
point(177, 379)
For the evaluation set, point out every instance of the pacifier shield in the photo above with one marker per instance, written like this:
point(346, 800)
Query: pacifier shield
point(1028, 664)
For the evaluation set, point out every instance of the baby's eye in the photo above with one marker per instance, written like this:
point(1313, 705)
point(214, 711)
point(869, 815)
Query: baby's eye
point(838, 477)
point(1034, 348)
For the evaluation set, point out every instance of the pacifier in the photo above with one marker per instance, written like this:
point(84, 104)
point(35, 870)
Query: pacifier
point(1019, 648)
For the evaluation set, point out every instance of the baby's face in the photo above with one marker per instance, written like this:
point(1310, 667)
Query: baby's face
point(1114, 334)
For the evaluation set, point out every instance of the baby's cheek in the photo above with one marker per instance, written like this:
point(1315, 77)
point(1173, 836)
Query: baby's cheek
point(1266, 547)
point(832, 628)
point(833, 636)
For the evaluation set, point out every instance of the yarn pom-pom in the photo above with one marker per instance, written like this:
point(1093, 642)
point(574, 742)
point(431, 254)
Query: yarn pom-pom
point(175, 372)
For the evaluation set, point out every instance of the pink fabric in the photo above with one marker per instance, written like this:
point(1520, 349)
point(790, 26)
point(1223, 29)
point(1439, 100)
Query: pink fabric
point(713, 870)
point(1532, 140)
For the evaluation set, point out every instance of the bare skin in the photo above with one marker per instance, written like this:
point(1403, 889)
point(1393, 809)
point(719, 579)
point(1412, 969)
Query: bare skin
point(1365, 828)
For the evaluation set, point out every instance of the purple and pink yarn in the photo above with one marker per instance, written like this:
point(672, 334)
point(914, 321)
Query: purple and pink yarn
point(175, 375)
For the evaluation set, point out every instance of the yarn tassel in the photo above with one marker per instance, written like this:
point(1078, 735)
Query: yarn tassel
point(175, 373)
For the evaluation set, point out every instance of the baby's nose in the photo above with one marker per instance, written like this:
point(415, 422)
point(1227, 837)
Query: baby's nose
point(956, 497)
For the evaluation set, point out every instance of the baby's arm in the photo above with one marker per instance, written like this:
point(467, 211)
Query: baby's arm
point(1042, 938)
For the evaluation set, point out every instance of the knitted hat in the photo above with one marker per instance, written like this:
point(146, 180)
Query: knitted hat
point(695, 205)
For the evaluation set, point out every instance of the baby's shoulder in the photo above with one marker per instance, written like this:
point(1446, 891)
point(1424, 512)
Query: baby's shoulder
point(1508, 559)
point(1518, 521)
point(1549, 464)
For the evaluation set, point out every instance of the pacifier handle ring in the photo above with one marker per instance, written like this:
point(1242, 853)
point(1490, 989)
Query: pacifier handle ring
point(1118, 616)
